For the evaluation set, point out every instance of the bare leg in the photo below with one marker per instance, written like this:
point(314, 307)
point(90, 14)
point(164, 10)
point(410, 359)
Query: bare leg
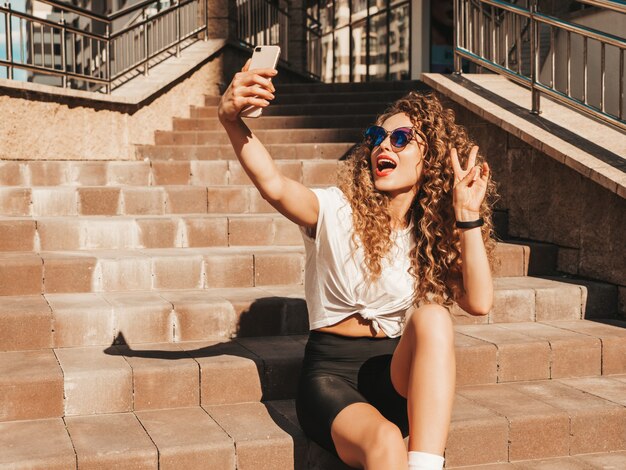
point(423, 370)
point(366, 439)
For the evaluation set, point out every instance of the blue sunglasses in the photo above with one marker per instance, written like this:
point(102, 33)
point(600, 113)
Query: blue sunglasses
point(400, 137)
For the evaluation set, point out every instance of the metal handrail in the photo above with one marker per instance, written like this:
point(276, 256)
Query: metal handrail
point(99, 60)
point(582, 30)
point(507, 6)
point(97, 16)
point(263, 22)
point(130, 9)
point(469, 43)
point(607, 4)
point(181, 4)
point(43, 21)
point(75, 9)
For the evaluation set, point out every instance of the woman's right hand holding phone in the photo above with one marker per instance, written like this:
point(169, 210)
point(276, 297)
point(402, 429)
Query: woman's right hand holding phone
point(248, 87)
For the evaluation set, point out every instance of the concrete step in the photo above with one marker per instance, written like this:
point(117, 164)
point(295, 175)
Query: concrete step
point(280, 122)
point(402, 85)
point(267, 436)
point(18, 234)
point(76, 173)
point(267, 136)
point(327, 97)
point(153, 231)
point(23, 273)
point(120, 441)
point(543, 261)
point(370, 108)
point(105, 270)
point(59, 201)
point(31, 321)
point(51, 201)
point(21, 175)
point(490, 426)
point(169, 375)
point(91, 319)
point(150, 231)
point(231, 195)
point(293, 151)
point(52, 383)
point(213, 187)
point(602, 297)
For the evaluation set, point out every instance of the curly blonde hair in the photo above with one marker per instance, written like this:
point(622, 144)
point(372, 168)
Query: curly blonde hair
point(436, 258)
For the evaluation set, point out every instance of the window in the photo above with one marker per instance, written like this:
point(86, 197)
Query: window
point(363, 40)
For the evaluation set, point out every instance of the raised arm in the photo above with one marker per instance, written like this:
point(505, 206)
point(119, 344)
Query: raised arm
point(291, 198)
point(469, 190)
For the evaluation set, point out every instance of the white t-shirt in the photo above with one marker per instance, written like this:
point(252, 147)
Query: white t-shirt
point(335, 285)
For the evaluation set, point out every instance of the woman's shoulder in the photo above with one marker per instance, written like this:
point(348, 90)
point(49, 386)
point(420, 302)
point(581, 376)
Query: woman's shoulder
point(335, 214)
point(330, 190)
point(332, 196)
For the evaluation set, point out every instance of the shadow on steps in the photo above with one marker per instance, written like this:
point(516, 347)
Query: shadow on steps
point(271, 316)
point(602, 298)
point(266, 334)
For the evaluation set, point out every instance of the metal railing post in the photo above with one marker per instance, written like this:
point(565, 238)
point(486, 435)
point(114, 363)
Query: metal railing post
point(249, 16)
point(602, 76)
point(457, 32)
point(585, 70)
point(108, 59)
point(177, 3)
point(621, 84)
point(63, 51)
point(206, 19)
point(145, 43)
point(9, 41)
point(534, 59)
point(264, 22)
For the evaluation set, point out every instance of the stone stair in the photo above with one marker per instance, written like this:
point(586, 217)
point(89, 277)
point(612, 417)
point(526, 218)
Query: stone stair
point(152, 314)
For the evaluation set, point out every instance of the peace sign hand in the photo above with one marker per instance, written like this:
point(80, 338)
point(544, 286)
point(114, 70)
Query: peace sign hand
point(469, 188)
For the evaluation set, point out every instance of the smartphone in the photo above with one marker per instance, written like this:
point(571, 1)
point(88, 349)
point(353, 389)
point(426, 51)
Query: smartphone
point(263, 57)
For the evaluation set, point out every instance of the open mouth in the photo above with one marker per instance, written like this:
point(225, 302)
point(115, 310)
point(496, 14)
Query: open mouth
point(385, 166)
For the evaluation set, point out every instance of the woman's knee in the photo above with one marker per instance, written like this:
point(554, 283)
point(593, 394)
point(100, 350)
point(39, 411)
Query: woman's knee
point(431, 322)
point(385, 436)
point(362, 433)
point(386, 444)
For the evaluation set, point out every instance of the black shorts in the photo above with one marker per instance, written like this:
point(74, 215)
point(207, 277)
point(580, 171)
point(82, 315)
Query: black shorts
point(340, 370)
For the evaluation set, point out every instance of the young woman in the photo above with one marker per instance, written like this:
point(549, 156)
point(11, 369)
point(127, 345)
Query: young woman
point(407, 232)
